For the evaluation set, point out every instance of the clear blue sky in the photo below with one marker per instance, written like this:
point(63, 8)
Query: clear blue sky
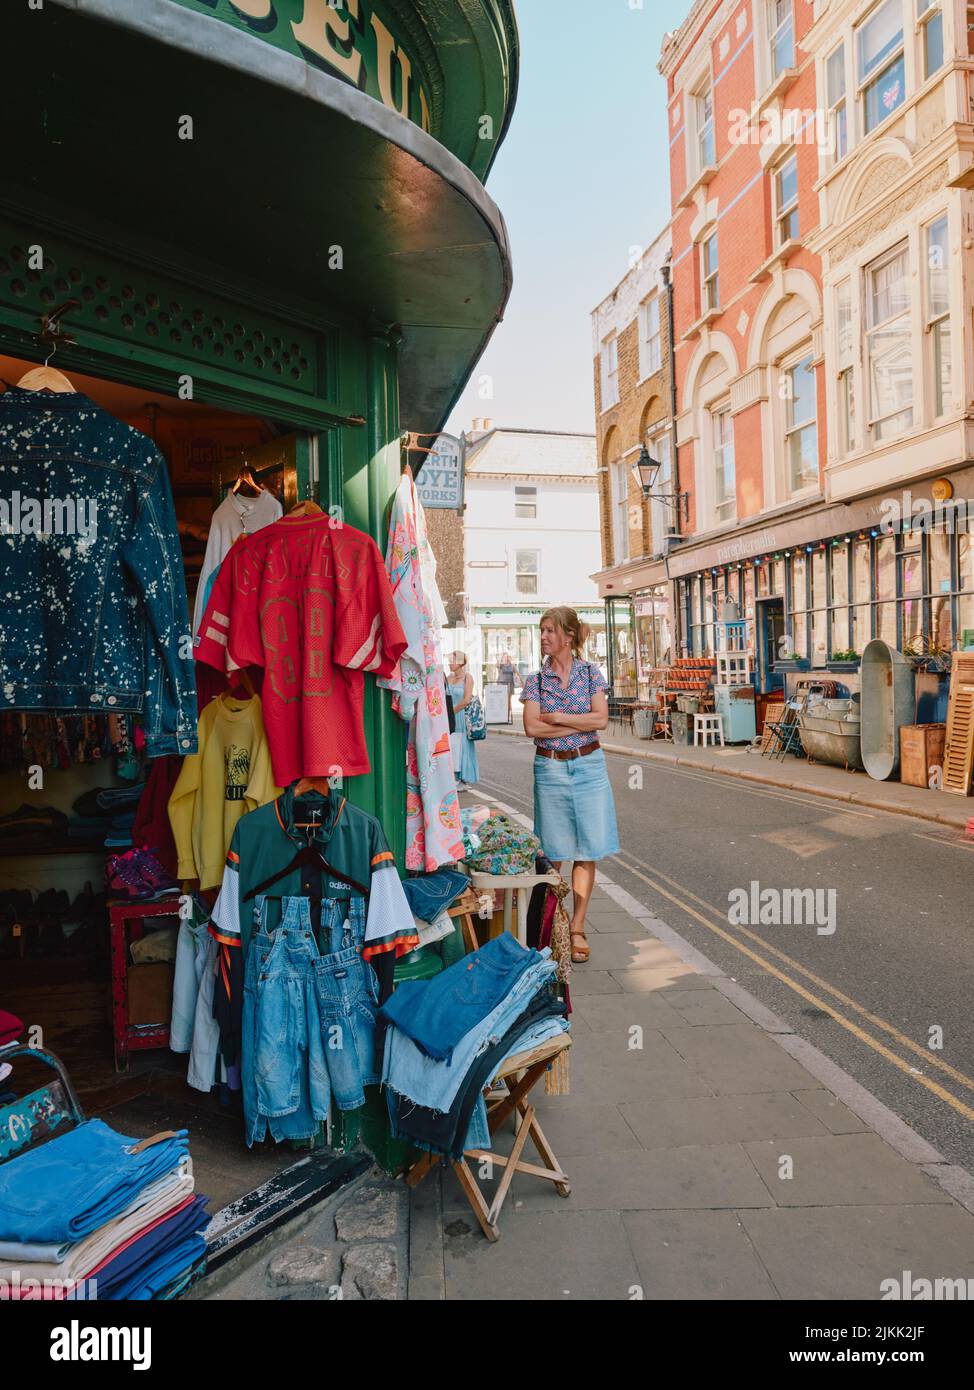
point(582, 177)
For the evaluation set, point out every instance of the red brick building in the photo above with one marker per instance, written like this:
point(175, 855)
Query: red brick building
point(745, 135)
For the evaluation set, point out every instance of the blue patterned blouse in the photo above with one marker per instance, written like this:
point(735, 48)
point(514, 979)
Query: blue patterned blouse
point(546, 688)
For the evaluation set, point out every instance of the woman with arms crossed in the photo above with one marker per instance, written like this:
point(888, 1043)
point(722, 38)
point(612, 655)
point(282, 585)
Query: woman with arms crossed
point(565, 705)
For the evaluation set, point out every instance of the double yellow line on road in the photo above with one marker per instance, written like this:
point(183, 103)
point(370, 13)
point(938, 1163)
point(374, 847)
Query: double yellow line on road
point(852, 1027)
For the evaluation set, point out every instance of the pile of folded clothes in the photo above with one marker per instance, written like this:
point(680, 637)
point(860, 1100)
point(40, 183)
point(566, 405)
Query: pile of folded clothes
point(93, 1214)
point(105, 816)
point(448, 1036)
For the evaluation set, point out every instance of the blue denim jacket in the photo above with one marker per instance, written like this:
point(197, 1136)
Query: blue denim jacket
point(93, 611)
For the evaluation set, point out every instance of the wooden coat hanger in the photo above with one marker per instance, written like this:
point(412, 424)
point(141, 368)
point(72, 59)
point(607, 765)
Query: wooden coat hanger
point(45, 378)
point(306, 508)
point(246, 479)
point(49, 378)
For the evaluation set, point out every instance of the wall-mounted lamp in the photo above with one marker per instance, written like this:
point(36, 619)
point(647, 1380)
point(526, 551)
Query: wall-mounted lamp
point(646, 471)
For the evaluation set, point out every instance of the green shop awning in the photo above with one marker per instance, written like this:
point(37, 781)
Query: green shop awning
point(286, 163)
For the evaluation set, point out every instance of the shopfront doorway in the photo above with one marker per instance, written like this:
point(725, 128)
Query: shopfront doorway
point(770, 631)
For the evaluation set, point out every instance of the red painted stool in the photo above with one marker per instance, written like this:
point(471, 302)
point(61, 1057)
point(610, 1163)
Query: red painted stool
point(125, 923)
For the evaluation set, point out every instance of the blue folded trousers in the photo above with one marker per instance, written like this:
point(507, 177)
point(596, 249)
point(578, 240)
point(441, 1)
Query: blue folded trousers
point(70, 1186)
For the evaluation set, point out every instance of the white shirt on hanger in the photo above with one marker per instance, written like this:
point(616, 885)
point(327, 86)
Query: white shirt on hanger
point(235, 516)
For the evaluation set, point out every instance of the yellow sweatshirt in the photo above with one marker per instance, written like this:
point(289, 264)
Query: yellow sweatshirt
point(230, 775)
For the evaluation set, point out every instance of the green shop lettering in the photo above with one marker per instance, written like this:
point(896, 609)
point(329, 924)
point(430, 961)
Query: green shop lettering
point(350, 40)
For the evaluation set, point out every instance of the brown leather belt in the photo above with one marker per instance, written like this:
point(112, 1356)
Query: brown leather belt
point(565, 755)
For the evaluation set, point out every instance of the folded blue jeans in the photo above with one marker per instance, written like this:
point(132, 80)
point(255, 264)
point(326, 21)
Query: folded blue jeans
point(67, 1188)
point(449, 1133)
point(429, 894)
point(427, 1082)
point(437, 1013)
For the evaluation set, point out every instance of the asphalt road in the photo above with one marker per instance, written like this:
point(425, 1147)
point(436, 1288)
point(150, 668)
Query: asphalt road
point(898, 964)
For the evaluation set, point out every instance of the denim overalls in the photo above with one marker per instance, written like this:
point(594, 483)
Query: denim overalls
point(308, 1019)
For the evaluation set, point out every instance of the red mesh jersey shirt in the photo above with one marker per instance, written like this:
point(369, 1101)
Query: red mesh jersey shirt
point(311, 603)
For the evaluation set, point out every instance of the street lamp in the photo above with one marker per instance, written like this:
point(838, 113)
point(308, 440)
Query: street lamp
point(646, 471)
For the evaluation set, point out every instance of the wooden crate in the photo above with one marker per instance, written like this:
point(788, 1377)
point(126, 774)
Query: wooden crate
point(921, 748)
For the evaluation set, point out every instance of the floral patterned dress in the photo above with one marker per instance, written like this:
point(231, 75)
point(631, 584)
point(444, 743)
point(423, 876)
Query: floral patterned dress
point(433, 832)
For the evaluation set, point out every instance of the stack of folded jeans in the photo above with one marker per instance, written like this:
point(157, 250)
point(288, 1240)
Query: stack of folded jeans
point(448, 1036)
point(105, 816)
point(308, 1027)
point(91, 1214)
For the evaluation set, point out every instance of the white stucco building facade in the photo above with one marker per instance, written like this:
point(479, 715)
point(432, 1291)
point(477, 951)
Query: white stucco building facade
point(531, 541)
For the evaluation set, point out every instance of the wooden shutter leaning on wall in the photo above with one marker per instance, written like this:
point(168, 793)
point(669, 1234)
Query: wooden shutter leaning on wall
point(959, 749)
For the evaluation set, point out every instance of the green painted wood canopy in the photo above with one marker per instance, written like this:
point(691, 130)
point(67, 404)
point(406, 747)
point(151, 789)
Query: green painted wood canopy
point(181, 131)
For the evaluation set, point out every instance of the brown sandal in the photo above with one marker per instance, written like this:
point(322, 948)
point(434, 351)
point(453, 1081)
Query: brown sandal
point(580, 954)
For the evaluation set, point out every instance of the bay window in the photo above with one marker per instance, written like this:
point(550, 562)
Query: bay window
point(881, 63)
point(888, 343)
point(931, 21)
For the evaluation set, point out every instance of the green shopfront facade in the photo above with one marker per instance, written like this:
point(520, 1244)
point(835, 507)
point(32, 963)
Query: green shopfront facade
point(272, 207)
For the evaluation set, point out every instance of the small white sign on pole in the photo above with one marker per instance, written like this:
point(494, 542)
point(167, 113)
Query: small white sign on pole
point(495, 702)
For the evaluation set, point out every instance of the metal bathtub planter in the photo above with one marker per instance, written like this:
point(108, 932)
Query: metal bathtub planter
point(832, 735)
point(888, 700)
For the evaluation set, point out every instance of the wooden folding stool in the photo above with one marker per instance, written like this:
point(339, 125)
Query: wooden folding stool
point(532, 1065)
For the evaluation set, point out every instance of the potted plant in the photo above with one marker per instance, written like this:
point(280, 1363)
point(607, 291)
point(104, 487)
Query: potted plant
point(927, 654)
point(792, 662)
point(844, 661)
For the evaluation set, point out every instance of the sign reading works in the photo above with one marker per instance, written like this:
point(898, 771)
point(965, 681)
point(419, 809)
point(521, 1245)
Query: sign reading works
point(347, 38)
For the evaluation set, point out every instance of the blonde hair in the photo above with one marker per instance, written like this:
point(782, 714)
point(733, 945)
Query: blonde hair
point(571, 624)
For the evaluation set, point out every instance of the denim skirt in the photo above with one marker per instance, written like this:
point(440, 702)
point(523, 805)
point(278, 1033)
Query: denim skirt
point(574, 813)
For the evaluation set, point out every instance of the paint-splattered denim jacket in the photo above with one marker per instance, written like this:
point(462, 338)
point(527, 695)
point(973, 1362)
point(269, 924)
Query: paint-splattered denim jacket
point(93, 611)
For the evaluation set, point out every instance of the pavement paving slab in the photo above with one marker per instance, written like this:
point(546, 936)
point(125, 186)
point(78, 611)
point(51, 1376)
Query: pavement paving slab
point(696, 1255)
point(662, 1124)
point(556, 1255)
point(841, 1170)
point(830, 1252)
point(736, 1058)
